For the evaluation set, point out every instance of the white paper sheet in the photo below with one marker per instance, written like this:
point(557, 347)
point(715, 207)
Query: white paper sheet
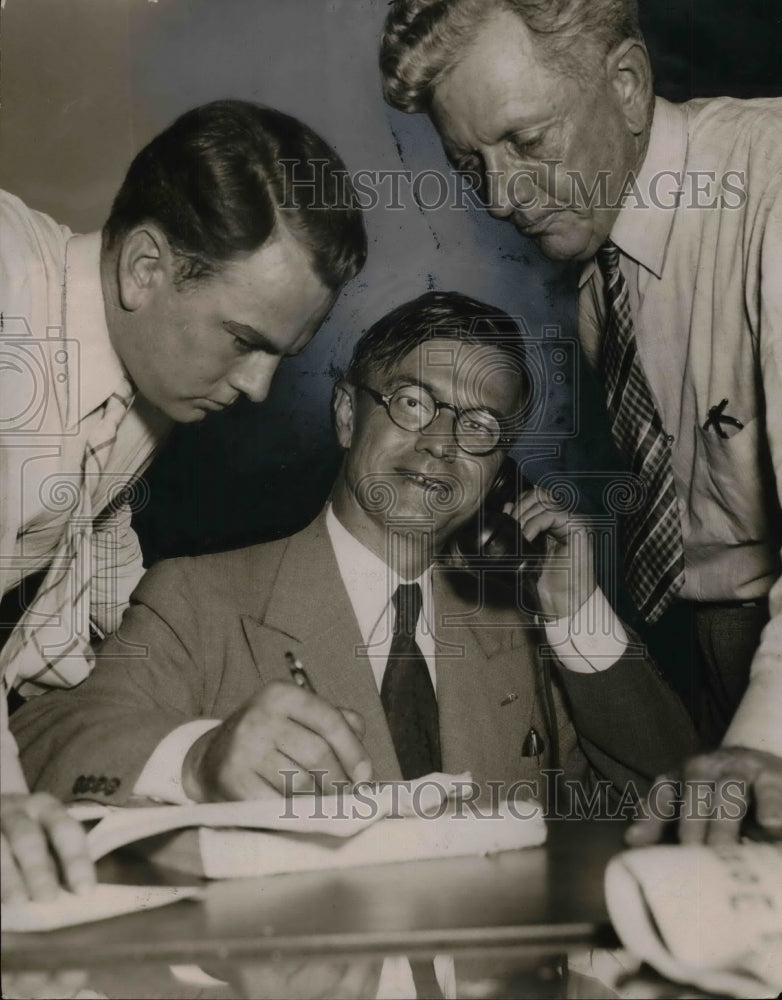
point(239, 853)
point(335, 816)
point(710, 916)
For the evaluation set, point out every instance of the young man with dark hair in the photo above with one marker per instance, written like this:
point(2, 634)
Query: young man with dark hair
point(416, 668)
point(676, 213)
point(209, 272)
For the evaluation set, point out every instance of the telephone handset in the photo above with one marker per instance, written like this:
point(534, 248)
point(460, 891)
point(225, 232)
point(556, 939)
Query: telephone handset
point(492, 549)
point(491, 545)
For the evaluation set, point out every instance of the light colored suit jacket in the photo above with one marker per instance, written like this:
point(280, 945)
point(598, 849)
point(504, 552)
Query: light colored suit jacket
point(202, 635)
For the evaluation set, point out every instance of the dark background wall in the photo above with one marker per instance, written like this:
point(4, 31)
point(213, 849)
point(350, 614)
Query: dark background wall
point(85, 83)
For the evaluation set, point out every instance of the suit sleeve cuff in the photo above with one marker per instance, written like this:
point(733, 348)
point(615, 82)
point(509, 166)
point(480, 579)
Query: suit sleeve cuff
point(593, 639)
point(161, 778)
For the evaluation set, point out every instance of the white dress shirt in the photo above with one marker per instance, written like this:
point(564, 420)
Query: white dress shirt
point(57, 369)
point(706, 297)
point(371, 585)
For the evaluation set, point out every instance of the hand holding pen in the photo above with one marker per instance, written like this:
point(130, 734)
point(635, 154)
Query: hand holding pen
point(285, 739)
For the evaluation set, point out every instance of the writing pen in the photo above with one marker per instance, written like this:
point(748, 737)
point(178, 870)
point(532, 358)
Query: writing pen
point(298, 673)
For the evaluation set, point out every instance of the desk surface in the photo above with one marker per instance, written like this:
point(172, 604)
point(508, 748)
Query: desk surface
point(549, 896)
point(527, 924)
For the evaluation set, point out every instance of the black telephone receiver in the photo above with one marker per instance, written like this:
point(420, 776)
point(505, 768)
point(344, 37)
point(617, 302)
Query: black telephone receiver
point(491, 545)
point(492, 549)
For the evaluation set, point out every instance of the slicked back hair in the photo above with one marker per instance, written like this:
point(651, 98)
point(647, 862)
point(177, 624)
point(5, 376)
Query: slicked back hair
point(423, 39)
point(220, 180)
point(448, 316)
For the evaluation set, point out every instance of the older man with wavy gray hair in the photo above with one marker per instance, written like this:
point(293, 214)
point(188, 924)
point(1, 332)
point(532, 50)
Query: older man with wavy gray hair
point(675, 212)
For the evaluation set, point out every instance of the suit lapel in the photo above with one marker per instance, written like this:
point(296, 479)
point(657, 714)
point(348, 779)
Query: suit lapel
point(309, 613)
point(485, 686)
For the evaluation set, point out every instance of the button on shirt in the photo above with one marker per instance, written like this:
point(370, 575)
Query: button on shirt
point(706, 297)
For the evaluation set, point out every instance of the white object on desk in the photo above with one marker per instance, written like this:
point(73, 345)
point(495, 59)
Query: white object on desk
point(304, 814)
point(710, 916)
point(237, 853)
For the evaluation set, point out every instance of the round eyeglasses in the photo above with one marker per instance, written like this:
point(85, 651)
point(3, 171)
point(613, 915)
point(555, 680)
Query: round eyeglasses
point(413, 408)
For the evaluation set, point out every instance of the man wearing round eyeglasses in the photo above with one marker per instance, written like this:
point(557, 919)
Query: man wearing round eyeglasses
point(400, 672)
point(413, 408)
point(448, 454)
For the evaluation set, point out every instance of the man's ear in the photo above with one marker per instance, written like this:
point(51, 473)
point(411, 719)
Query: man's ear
point(145, 260)
point(629, 69)
point(343, 412)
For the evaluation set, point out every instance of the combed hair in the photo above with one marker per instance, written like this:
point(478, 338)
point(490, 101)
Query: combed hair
point(423, 38)
point(221, 178)
point(435, 315)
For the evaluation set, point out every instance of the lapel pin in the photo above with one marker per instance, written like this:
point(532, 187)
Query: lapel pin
point(509, 698)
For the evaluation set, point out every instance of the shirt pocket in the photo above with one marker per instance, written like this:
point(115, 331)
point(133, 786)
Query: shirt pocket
point(727, 497)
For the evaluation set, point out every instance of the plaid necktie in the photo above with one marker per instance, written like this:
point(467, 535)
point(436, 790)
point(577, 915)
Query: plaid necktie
point(654, 552)
point(407, 693)
point(50, 646)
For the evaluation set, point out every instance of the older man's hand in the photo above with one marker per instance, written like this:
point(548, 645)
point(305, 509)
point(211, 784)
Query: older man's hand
point(41, 848)
point(718, 791)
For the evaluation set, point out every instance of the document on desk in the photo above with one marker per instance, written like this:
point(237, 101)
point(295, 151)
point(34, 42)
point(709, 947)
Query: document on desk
point(302, 814)
point(706, 916)
point(394, 822)
point(236, 853)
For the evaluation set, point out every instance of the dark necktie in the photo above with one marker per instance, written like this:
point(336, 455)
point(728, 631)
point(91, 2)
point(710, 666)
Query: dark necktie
point(654, 552)
point(407, 693)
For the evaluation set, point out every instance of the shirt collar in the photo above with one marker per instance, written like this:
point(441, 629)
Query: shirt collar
point(369, 581)
point(643, 227)
point(97, 370)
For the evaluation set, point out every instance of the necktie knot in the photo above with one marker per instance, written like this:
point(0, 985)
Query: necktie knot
point(103, 435)
point(407, 604)
point(654, 554)
point(608, 259)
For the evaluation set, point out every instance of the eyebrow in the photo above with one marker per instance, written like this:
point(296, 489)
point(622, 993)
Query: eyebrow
point(258, 340)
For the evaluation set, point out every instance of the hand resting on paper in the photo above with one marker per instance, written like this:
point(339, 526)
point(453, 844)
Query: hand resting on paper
point(281, 729)
point(41, 847)
point(719, 791)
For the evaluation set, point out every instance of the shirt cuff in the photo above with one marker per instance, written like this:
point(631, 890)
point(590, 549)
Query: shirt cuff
point(593, 639)
point(756, 724)
point(161, 778)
